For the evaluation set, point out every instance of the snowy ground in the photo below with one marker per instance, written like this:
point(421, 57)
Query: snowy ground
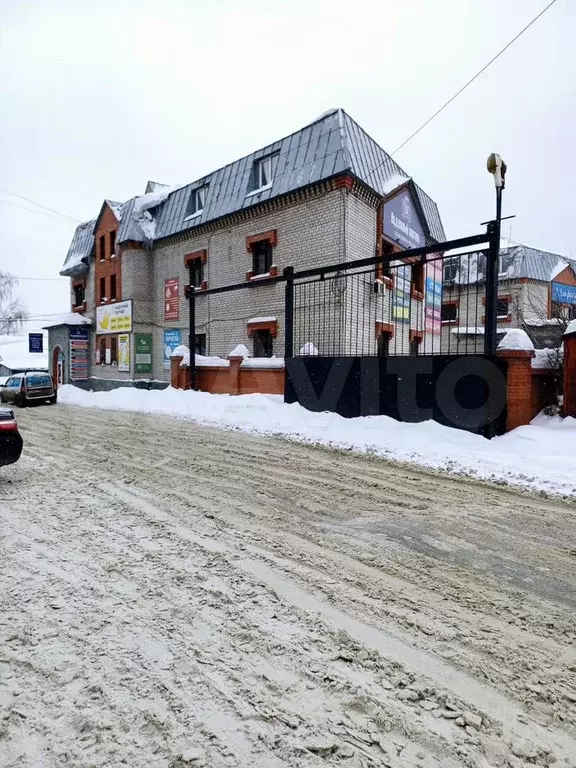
point(173, 595)
point(540, 457)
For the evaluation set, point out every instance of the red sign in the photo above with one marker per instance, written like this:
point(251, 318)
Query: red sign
point(172, 299)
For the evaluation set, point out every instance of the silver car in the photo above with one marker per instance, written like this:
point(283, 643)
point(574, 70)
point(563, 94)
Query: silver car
point(31, 387)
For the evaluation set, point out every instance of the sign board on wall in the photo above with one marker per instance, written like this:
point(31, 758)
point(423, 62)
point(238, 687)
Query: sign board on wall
point(78, 354)
point(35, 342)
point(401, 222)
point(172, 298)
point(114, 318)
point(433, 304)
point(172, 339)
point(124, 352)
point(401, 300)
point(143, 353)
point(563, 294)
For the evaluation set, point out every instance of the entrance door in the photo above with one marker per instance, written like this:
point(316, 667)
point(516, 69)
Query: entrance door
point(57, 367)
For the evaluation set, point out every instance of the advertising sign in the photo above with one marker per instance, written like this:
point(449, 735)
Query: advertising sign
point(143, 354)
point(79, 354)
point(172, 339)
point(433, 305)
point(124, 352)
point(401, 301)
point(401, 222)
point(564, 294)
point(114, 318)
point(172, 298)
point(35, 342)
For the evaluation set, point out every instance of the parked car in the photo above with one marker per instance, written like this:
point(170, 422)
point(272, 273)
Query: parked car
point(26, 388)
point(10, 439)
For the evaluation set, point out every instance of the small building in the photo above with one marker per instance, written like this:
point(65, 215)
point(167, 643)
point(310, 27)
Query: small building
point(15, 355)
point(536, 292)
point(326, 194)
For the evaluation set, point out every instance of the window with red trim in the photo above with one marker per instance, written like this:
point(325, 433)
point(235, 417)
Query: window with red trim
point(417, 280)
point(79, 294)
point(261, 257)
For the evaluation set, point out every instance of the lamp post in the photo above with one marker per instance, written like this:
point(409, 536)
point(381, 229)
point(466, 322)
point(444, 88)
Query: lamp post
point(497, 167)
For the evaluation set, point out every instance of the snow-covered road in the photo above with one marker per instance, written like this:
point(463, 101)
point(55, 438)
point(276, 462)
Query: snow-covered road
point(173, 595)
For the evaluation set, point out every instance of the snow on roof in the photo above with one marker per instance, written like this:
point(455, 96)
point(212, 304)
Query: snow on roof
point(270, 319)
point(547, 357)
point(14, 354)
point(516, 339)
point(78, 256)
point(571, 328)
point(560, 267)
point(72, 318)
point(464, 330)
point(393, 183)
point(240, 351)
point(535, 322)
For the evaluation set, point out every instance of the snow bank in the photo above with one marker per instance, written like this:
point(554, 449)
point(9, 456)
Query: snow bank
point(516, 339)
point(262, 362)
point(539, 457)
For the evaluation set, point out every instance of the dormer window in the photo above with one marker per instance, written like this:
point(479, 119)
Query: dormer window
point(196, 202)
point(262, 173)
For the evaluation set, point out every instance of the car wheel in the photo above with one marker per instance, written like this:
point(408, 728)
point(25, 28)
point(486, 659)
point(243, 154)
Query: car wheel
point(20, 401)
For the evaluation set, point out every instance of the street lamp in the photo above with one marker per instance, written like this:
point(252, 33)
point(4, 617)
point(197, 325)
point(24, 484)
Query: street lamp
point(497, 167)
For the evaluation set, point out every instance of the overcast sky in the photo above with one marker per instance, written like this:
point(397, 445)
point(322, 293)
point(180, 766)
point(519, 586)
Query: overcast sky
point(98, 97)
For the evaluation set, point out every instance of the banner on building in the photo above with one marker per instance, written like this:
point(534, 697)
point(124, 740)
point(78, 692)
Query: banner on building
point(35, 342)
point(143, 352)
point(433, 305)
point(172, 298)
point(79, 354)
point(172, 339)
point(563, 294)
point(401, 305)
point(401, 222)
point(114, 318)
point(124, 352)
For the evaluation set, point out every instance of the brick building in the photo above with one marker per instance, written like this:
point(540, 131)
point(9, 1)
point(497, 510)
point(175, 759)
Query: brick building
point(536, 292)
point(325, 194)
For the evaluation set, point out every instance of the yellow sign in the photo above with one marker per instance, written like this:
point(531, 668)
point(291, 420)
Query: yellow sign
point(124, 352)
point(114, 318)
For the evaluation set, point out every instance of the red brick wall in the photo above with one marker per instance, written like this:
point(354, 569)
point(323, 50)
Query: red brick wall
point(528, 390)
point(570, 375)
point(232, 380)
point(108, 223)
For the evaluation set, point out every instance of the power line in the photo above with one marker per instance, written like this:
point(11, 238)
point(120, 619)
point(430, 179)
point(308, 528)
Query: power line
point(55, 279)
point(32, 210)
point(472, 79)
point(39, 205)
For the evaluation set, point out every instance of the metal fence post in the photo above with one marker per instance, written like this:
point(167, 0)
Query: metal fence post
point(492, 288)
point(289, 312)
point(192, 334)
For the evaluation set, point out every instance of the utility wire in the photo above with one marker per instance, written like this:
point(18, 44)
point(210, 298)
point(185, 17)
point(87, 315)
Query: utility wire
point(39, 205)
point(32, 210)
point(55, 279)
point(472, 79)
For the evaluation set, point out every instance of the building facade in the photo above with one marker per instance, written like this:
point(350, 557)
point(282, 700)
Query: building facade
point(326, 194)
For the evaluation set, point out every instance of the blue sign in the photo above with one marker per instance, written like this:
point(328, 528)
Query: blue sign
point(35, 342)
point(401, 222)
point(172, 339)
point(79, 333)
point(564, 294)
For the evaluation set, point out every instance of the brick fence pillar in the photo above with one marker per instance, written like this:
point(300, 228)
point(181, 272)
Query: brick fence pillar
point(234, 373)
point(518, 386)
point(569, 408)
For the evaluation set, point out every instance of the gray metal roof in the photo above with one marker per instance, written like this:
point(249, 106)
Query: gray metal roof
point(517, 262)
point(78, 258)
point(332, 145)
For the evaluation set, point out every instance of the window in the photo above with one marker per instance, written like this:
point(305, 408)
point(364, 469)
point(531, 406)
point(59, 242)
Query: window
point(38, 381)
point(262, 343)
point(102, 247)
point(79, 294)
point(503, 307)
point(113, 350)
point(196, 267)
point(450, 269)
point(200, 343)
point(261, 257)
point(102, 288)
point(415, 346)
point(262, 173)
point(113, 287)
point(449, 313)
point(112, 243)
point(102, 350)
point(502, 265)
point(384, 344)
point(196, 201)
point(417, 281)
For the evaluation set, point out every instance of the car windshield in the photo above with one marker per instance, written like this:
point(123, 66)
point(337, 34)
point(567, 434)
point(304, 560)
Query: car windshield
point(39, 381)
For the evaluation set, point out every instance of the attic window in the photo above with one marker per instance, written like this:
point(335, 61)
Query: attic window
point(262, 173)
point(196, 201)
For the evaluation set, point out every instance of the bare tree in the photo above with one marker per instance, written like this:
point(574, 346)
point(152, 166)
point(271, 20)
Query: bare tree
point(12, 310)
